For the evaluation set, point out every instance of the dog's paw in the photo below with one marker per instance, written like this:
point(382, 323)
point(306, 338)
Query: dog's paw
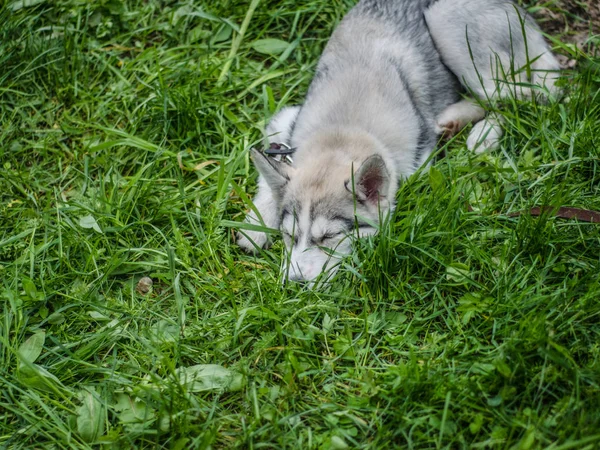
point(485, 136)
point(457, 116)
point(252, 241)
point(448, 129)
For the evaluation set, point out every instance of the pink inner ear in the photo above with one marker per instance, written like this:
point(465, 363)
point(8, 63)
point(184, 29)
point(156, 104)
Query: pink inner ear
point(371, 183)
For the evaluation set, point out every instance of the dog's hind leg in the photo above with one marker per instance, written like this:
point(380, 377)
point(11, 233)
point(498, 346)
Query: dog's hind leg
point(495, 50)
point(492, 46)
point(545, 73)
point(279, 130)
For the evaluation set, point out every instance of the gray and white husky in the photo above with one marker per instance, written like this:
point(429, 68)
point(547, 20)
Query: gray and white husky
point(390, 82)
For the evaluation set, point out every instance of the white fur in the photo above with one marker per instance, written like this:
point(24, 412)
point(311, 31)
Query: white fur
point(264, 202)
point(280, 126)
point(486, 134)
point(459, 115)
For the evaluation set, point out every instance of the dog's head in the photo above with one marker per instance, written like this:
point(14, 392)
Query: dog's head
point(337, 189)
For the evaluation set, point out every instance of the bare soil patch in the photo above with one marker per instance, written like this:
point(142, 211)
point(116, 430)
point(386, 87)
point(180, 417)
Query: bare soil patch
point(573, 21)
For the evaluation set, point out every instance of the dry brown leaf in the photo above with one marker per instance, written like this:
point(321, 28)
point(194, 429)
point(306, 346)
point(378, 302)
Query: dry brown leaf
point(202, 165)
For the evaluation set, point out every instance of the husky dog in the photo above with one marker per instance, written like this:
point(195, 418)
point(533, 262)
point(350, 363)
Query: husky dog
point(390, 82)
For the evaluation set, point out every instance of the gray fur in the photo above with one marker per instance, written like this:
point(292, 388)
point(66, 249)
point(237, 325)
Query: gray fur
point(388, 84)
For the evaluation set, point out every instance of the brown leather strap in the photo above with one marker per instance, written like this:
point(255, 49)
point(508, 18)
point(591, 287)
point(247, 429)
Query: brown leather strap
point(583, 215)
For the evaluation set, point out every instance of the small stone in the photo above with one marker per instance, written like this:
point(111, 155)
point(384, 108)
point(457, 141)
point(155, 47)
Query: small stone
point(144, 285)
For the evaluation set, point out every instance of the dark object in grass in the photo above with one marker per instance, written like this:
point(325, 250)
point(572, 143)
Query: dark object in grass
point(144, 286)
point(583, 215)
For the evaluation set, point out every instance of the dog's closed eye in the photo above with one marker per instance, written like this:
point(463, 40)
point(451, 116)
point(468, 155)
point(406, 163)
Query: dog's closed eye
point(326, 238)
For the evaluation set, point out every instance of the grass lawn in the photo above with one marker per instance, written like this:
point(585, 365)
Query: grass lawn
point(124, 129)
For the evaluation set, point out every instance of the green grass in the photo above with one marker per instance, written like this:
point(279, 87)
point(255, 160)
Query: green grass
point(123, 137)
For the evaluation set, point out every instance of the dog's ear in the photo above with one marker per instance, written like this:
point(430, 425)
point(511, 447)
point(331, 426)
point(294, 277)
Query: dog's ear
point(276, 173)
point(371, 181)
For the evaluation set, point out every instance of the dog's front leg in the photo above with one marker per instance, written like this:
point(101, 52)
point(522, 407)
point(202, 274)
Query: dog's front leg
point(279, 131)
point(486, 132)
point(457, 116)
point(268, 207)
